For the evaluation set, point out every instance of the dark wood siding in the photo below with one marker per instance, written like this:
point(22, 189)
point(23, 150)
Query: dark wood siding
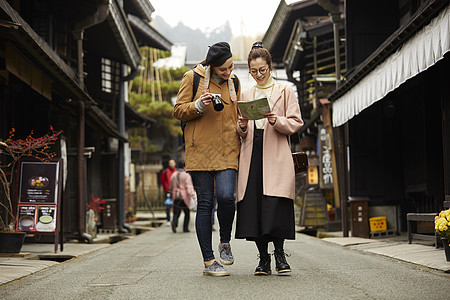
point(368, 24)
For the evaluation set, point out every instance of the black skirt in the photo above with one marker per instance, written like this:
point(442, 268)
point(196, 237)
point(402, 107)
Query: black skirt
point(261, 217)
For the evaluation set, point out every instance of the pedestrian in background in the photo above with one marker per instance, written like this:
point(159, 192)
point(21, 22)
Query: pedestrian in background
point(266, 179)
point(212, 148)
point(181, 191)
point(166, 174)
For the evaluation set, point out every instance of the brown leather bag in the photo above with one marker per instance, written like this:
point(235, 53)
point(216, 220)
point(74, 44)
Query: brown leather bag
point(300, 158)
point(300, 161)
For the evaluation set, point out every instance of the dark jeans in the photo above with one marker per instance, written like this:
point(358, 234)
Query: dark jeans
point(214, 210)
point(178, 206)
point(168, 207)
point(204, 183)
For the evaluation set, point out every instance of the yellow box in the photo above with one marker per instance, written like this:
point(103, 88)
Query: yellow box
point(378, 224)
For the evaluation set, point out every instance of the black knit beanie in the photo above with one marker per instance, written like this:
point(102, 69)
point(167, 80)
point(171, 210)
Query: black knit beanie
point(218, 54)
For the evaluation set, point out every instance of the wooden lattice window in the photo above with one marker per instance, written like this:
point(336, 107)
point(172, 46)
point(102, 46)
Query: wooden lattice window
point(110, 76)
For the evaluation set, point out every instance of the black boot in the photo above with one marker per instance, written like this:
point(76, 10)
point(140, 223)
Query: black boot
point(263, 267)
point(281, 264)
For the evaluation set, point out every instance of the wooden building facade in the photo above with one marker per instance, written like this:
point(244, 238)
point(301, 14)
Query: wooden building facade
point(67, 64)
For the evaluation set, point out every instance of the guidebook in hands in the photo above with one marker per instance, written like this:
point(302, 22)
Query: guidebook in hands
point(255, 109)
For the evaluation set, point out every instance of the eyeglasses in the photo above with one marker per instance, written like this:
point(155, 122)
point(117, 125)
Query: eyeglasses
point(262, 71)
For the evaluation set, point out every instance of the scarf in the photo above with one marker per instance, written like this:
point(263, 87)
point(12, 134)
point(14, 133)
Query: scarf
point(266, 85)
point(264, 89)
point(230, 83)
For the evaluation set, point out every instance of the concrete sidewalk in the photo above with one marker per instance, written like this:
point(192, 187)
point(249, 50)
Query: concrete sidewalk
point(397, 247)
point(35, 257)
point(162, 265)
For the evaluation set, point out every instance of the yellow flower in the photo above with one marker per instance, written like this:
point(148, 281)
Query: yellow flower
point(442, 221)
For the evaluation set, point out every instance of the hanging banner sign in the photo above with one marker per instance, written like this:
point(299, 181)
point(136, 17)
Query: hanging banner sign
point(325, 165)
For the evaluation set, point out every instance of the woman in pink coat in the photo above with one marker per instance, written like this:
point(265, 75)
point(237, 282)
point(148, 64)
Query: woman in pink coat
point(181, 190)
point(266, 178)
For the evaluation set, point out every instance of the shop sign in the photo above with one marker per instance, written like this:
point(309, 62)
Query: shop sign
point(325, 162)
point(39, 196)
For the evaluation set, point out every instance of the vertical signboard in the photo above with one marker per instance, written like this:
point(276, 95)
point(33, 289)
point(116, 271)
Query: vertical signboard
point(325, 165)
point(39, 197)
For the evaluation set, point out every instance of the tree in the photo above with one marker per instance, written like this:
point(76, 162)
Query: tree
point(151, 94)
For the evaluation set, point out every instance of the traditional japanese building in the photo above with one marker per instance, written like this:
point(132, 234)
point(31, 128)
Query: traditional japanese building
point(67, 64)
point(392, 110)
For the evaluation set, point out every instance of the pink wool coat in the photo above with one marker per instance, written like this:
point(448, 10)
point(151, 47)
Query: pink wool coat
point(186, 189)
point(278, 166)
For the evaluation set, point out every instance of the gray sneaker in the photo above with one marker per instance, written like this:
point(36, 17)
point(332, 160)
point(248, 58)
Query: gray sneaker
point(215, 269)
point(226, 257)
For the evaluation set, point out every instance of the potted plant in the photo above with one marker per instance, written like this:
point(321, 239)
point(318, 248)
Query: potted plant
point(94, 207)
point(12, 150)
point(442, 226)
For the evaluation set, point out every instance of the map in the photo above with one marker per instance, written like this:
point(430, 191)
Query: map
point(255, 109)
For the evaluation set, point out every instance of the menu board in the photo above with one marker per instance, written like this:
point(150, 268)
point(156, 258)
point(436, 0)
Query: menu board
point(46, 218)
point(38, 196)
point(38, 182)
point(37, 218)
point(27, 218)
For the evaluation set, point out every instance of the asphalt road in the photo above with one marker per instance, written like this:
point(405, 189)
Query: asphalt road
point(163, 265)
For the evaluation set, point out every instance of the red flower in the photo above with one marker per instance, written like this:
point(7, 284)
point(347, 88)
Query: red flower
point(96, 204)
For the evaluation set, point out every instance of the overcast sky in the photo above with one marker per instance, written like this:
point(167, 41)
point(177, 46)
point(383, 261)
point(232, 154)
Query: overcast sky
point(255, 15)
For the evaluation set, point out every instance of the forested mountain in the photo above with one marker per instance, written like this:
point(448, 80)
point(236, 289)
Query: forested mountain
point(197, 40)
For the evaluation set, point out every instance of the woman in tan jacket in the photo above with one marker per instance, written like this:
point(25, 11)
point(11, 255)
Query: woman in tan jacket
point(266, 179)
point(212, 149)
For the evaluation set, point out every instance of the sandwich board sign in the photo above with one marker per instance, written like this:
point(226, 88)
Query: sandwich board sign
point(39, 197)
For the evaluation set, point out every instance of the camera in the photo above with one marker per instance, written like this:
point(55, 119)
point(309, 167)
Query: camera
point(217, 102)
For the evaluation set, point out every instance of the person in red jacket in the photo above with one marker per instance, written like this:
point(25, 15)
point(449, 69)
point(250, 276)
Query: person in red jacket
point(166, 174)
